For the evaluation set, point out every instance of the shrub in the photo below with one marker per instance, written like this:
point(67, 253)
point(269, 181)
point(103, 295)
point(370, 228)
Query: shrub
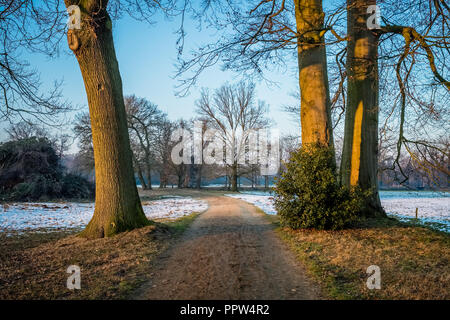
point(77, 187)
point(31, 170)
point(307, 195)
point(37, 187)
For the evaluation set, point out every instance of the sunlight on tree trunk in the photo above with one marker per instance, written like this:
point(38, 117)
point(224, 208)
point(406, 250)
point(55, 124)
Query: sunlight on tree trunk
point(313, 76)
point(360, 151)
point(117, 204)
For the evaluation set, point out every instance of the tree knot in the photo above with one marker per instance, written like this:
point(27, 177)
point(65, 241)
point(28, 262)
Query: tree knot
point(72, 39)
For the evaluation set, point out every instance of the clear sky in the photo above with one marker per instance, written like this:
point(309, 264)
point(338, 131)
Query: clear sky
point(146, 55)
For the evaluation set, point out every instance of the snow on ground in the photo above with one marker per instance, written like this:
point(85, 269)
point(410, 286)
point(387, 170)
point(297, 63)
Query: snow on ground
point(392, 194)
point(264, 202)
point(173, 208)
point(20, 217)
point(430, 210)
point(434, 207)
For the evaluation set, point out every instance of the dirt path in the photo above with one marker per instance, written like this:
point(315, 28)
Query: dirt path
point(229, 252)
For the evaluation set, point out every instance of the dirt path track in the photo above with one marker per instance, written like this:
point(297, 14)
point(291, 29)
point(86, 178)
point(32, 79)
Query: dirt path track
point(229, 252)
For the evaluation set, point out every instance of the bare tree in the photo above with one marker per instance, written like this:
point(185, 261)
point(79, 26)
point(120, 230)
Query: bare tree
point(261, 34)
point(414, 44)
point(34, 26)
point(163, 148)
point(233, 111)
point(83, 133)
point(143, 117)
point(26, 130)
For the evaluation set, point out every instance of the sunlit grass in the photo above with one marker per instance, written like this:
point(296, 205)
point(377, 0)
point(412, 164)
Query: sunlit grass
point(414, 260)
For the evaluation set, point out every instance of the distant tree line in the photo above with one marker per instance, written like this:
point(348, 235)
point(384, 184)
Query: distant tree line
point(229, 108)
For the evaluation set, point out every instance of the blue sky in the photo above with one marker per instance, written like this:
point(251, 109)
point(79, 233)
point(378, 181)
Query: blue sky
point(146, 55)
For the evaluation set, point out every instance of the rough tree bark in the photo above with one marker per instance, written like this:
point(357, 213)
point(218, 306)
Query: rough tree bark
point(117, 204)
point(360, 151)
point(313, 77)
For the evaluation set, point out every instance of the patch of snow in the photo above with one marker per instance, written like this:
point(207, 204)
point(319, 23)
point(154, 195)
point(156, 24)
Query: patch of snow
point(21, 217)
point(430, 210)
point(265, 203)
point(173, 208)
point(438, 208)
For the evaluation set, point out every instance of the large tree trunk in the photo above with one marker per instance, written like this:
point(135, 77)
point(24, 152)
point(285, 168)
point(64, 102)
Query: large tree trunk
point(313, 77)
point(360, 152)
point(117, 204)
point(234, 177)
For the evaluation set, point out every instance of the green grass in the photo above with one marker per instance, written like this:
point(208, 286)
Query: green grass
point(178, 226)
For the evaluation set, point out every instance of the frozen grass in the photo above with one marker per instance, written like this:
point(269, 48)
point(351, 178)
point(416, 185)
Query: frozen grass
point(21, 217)
point(432, 211)
point(433, 207)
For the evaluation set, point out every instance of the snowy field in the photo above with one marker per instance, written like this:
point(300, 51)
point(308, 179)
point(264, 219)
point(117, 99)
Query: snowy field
point(20, 217)
point(433, 207)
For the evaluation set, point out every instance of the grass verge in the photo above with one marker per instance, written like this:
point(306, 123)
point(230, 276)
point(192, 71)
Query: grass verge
point(414, 261)
point(33, 265)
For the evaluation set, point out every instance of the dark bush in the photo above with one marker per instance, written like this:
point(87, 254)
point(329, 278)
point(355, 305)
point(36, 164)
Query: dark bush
point(31, 170)
point(77, 187)
point(307, 195)
point(37, 187)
